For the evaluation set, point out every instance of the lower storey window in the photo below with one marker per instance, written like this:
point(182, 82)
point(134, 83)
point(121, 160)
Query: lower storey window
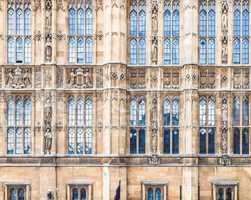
point(17, 192)
point(225, 191)
point(79, 192)
point(154, 191)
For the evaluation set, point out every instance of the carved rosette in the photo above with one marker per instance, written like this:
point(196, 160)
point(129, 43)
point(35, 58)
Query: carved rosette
point(224, 31)
point(18, 77)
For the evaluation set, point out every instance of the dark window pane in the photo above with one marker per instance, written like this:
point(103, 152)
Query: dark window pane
point(133, 141)
point(175, 136)
point(211, 140)
point(236, 140)
point(167, 140)
point(142, 140)
point(150, 194)
point(229, 194)
point(245, 141)
point(202, 140)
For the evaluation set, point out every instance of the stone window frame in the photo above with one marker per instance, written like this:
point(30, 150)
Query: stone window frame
point(225, 184)
point(241, 125)
point(16, 186)
point(87, 186)
point(154, 184)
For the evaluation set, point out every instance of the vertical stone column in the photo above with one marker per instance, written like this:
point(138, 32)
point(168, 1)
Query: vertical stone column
point(3, 32)
point(190, 107)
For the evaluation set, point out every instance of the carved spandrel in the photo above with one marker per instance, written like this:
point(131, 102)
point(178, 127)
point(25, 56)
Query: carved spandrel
point(18, 77)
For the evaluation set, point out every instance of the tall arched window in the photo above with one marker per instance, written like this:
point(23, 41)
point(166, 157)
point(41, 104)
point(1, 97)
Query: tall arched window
point(207, 26)
point(171, 125)
point(240, 32)
point(18, 125)
point(80, 32)
point(154, 192)
point(137, 32)
point(80, 125)
point(207, 111)
point(240, 123)
point(171, 22)
point(19, 33)
point(137, 125)
point(16, 192)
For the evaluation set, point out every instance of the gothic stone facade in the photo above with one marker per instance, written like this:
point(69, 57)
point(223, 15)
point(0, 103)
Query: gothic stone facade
point(48, 171)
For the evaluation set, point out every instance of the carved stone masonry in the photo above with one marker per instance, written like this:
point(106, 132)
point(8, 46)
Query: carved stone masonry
point(224, 129)
point(47, 123)
point(154, 56)
point(171, 78)
point(207, 78)
point(48, 29)
point(154, 126)
point(137, 78)
point(224, 31)
point(18, 78)
point(80, 78)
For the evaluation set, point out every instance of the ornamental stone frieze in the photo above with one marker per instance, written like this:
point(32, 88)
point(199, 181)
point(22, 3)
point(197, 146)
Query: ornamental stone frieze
point(171, 78)
point(18, 77)
point(79, 78)
point(241, 78)
point(137, 78)
point(207, 78)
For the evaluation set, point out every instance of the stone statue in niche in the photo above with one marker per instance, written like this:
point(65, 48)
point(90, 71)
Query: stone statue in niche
point(48, 48)
point(224, 52)
point(155, 50)
point(224, 30)
point(224, 112)
point(224, 126)
point(154, 127)
point(155, 18)
point(47, 124)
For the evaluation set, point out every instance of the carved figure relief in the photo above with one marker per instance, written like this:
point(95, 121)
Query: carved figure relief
point(154, 78)
point(207, 78)
point(48, 29)
point(80, 78)
point(224, 130)
point(155, 50)
point(224, 31)
point(171, 78)
point(154, 126)
point(48, 123)
point(18, 78)
point(241, 78)
point(154, 32)
point(224, 79)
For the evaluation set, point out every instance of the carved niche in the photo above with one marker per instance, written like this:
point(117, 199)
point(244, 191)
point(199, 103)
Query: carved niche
point(154, 78)
point(80, 78)
point(18, 77)
point(224, 78)
point(224, 122)
point(154, 122)
point(48, 30)
point(48, 123)
point(137, 78)
point(171, 78)
point(207, 78)
point(224, 31)
point(154, 53)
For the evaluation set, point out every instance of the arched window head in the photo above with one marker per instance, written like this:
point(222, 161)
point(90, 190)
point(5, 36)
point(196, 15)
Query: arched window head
point(202, 108)
point(175, 22)
point(89, 46)
point(211, 51)
point(142, 52)
point(10, 112)
point(72, 21)
point(245, 111)
point(27, 50)
point(167, 52)
point(211, 112)
point(133, 112)
point(245, 22)
point(158, 194)
point(175, 51)
point(19, 21)
point(236, 51)
point(167, 112)
point(133, 23)
point(237, 22)
point(211, 23)
point(142, 112)
point(19, 111)
point(27, 21)
point(236, 111)
point(245, 51)
point(133, 51)
point(83, 194)
point(150, 194)
point(11, 21)
point(203, 46)
point(81, 53)
point(71, 52)
point(88, 21)
point(203, 23)
point(142, 23)
point(80, 21)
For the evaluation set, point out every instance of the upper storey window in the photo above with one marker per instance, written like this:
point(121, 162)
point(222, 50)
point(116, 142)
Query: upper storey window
point(80, 43)
point(19, 33)
point(137, 32)
point(207, 32)
point(171, 32)
point(241, 32)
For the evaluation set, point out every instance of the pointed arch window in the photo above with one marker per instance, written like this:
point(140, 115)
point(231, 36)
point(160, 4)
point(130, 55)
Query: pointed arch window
point(171, 20)
point(80, 32)
point(171, 125)
point(207, 121)
point(19, 33)
point(137, 33)
point(240, 123)
point(207, 27)
point(137, 125)
point(80, 125)
point(18, 125)
point(240, 32)
point(79, 192)
point(155, 192)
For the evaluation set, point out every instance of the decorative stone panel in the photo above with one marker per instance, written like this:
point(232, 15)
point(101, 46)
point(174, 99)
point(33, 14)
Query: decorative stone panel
point(171, 78)
point(207, 78)
point(137, 78)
